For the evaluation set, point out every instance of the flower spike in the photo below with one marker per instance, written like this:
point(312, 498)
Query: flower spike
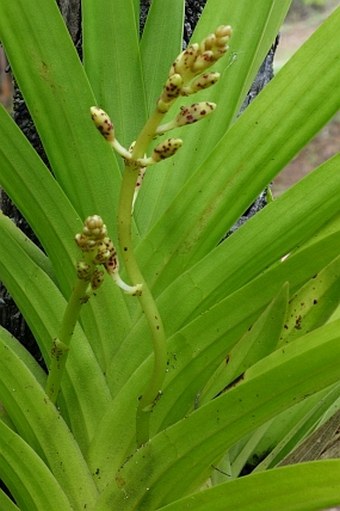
point(198, 57)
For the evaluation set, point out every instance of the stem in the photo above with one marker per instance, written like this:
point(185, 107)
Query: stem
point(148, 304)
point(60, 346)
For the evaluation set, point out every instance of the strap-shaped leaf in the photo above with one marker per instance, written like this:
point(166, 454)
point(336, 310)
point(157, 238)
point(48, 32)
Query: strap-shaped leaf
point(312, 305)
point(57, 92)
point(32, 250)
point(288, 432)
point(28, 478)
point(178, 460)
point(113, 63)
point(306, 487)
point(39, 424)
point(39, 197)
point(271, 234)
point(160, 45)
point(258, 341)
point(24, 356)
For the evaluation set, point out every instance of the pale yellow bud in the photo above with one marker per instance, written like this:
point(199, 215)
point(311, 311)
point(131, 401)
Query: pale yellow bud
point(166, 149)
point(185, 61)
point(194, 112)
point(103, 123)
point(84, 270)
point(94, 228)
point(201, 82)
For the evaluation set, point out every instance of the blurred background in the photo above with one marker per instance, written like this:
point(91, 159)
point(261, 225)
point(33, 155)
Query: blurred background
point(302, 20)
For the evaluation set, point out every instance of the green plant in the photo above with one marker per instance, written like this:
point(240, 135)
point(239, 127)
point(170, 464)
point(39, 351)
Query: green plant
point(248, 360)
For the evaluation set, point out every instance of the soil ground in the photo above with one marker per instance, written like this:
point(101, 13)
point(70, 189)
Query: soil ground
point(299, 26)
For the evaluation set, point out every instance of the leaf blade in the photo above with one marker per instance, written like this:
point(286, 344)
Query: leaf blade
point(206, 208)
point(305, 487)
point(202, 437)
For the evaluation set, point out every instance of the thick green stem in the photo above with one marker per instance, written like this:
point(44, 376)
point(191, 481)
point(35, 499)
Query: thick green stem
point(61, 344)
point(148, 304)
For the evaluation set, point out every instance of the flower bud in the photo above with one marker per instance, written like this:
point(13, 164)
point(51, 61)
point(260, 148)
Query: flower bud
point(97, 279)
point(95, 228)
point(112, 264)
point(223, 31)
point(194, 112)
point(184, 62)
point(166, 149)
point(84, 243)
point(203, 61)
point(84, 270)
point(103, 123)
point(172, 88)
point(201, 82)
point(105, 249)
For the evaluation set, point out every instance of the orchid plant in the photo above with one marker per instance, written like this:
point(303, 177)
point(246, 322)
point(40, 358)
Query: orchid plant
point(173, 359)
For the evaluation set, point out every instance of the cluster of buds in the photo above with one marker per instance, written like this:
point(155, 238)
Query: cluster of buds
point(188, 74)
point(183, 78)
point(99, 250)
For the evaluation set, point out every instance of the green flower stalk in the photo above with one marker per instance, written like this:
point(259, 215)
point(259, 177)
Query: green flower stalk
point(98, 250)
point(187, 75)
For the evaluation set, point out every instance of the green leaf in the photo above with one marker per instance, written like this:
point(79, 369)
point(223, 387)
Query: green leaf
point(39, 424)
point(35, 192)
point(6, 504)
point(181, 455)
point(28, 478)
point(271, 234)
point(258, 341)
point(255, 27)
point(290, 428)
point(31, 249)
point(113, 63)
point(161, 43)
point(194, 353)
point(56, 90)
point(196, 350)
point(314, 303)
point(306, 487)
point(220, 326)
point(24, 355)
point(43, 307)
point(222, 187)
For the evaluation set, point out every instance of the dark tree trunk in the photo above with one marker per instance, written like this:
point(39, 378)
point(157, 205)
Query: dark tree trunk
point(10, 317)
